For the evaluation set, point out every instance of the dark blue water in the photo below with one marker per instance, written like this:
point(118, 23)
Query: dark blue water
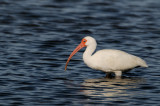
point(37, 36)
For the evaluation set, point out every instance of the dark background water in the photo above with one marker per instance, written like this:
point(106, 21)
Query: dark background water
point(37, 36)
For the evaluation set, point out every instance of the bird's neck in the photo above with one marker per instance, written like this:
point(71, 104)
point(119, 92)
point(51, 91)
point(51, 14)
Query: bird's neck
point(89, 52)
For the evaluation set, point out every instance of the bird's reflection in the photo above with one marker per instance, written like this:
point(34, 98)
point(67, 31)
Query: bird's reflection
point(110, 88)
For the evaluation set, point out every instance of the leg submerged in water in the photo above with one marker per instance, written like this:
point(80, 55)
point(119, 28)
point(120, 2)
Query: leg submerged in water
point(118, 74)
point(108, 75)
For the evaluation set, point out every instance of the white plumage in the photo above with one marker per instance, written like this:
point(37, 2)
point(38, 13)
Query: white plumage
point(107, 60)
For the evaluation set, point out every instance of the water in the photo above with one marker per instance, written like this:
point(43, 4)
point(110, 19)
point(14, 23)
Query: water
point(37, 36)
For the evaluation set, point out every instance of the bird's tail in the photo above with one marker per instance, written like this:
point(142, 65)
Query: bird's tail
point(141, 62)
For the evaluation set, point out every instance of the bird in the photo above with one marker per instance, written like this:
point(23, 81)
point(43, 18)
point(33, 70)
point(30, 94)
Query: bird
point(107, 60)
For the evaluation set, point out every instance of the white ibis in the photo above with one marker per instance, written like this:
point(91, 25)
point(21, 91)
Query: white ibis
point(107, 60)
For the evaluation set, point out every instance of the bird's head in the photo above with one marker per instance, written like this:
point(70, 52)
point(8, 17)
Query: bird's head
point(84, 42)
point(89, 40)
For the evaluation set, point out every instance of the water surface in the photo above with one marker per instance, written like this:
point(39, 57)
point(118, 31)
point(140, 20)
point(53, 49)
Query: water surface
point(37, 36)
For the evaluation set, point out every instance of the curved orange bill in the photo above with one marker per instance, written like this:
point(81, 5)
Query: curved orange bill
point(80, 46)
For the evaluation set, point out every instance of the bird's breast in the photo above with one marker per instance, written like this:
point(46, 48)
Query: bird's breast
point(96, 63)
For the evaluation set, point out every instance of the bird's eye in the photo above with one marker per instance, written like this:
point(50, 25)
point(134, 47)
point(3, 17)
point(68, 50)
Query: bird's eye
point(84, 41)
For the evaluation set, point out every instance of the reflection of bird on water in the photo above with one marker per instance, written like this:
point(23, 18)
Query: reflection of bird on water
point(110, 88)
